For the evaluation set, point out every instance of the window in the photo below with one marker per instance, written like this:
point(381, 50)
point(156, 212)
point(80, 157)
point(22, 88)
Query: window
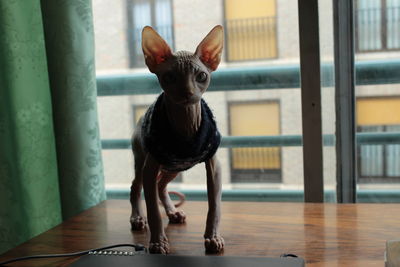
point(256, 164)
point(378, 163)
point(377, 25)
point(155, 13)
point(247, 84)
point(250, 29)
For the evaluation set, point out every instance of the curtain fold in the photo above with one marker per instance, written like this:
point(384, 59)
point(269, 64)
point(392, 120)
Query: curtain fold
point(29, 189)
point(68, 27)
point(50, 152)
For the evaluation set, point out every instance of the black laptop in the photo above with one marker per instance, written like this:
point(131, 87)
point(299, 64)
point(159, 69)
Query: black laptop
point(124, 259)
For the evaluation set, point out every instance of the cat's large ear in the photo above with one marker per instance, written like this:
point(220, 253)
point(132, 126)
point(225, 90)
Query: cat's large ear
point(155, 49)
point(210, 49)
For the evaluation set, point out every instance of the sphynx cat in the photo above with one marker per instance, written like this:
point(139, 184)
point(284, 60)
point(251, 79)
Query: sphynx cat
point(177, 132)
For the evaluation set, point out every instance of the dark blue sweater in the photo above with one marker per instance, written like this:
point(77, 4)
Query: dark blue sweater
point(173, 151)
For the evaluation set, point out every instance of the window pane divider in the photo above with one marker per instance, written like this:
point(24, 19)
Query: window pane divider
point(345, 101)
point(310, 71)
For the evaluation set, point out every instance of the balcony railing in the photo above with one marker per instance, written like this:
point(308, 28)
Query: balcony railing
point(279, 77)
point(252, 78)
point(374, 72)
point(379, 162)
point(251, 39)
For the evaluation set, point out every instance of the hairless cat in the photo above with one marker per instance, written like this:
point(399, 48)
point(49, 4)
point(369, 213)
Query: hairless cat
point(177, 132)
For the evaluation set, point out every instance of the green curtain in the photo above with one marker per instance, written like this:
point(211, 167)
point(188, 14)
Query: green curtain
point(69, 37)
point(50, 152)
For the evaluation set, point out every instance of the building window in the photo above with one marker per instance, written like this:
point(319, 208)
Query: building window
point(155, 13)
point(378, 163)
point(250, 29)
point(377, 25)
point(255, 164)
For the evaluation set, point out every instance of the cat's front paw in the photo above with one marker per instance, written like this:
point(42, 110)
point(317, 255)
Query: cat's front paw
point(176, 216)
point(138, 223)
point(159, 247)
point(214, 244)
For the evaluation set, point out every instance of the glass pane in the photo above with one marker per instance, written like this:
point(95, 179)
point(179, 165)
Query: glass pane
point(259, 76)
point(251, 29)
point(370, 156)
point(392, 156)
point(141, 14)
point(163, 20)
point(371, 161)
point(369, 28)
point(255, 164)
point(377, 110)
point(328, 98)
point(393, 24)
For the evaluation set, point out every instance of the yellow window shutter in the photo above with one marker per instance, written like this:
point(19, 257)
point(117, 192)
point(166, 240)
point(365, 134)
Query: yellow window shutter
point(378, 111)
point(251, 29)
point(249, 119)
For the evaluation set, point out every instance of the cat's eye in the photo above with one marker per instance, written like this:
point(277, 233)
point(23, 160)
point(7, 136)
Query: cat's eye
point(201, 77)
point(169, 77)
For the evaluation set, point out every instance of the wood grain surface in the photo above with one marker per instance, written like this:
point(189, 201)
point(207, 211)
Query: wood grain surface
point(322, 234)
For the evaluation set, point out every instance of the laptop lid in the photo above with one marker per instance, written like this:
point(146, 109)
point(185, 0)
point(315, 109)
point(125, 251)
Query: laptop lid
point(153, 260)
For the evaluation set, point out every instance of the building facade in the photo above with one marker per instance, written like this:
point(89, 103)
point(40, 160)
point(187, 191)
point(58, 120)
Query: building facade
point(258, 33)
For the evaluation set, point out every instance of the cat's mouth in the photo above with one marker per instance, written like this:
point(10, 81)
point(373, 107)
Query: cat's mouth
point(184, 100)
point(188, 100)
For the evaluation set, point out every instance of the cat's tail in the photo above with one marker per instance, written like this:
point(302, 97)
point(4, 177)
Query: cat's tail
point(181, 197)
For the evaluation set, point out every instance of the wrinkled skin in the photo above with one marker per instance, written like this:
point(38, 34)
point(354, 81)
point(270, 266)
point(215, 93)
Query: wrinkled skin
point(184, 77)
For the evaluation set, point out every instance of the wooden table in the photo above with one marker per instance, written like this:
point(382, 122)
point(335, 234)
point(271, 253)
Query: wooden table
point(323, 234)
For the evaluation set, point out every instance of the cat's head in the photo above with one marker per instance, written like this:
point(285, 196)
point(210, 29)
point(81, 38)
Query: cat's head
point(184, 76)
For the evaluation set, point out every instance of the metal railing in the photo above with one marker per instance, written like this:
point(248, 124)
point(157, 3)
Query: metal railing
point(251, 78)
point(251, 38)
point(373, 72)
point(379, 162)
point(275, 141)
point(279, 77)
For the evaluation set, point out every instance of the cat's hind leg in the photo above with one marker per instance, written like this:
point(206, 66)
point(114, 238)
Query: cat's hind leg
point(174, 215)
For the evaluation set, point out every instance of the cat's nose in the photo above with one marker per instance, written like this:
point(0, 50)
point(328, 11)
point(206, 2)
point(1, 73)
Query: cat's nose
point(190, 93)
point(191, 96)
point(189, 88)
